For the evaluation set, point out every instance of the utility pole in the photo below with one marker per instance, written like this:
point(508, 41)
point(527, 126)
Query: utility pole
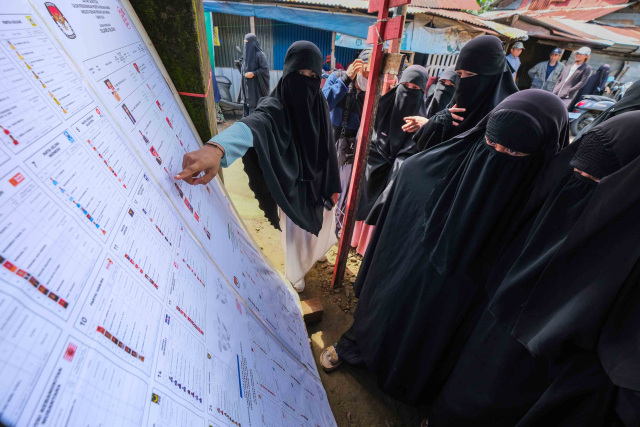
point(383, 29)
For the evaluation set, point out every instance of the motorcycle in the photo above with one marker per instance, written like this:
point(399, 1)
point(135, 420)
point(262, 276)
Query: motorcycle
point(586, 111)
point(227, 105)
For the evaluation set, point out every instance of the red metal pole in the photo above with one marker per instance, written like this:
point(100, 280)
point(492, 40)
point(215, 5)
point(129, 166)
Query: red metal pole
point(366, 128)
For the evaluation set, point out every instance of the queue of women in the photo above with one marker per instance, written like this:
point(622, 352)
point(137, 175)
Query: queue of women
point(501, 283)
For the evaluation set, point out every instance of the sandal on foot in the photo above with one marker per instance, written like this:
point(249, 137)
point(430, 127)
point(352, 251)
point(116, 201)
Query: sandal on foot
point(329, 359)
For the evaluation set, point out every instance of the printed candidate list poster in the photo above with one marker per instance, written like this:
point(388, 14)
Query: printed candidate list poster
point(127, 298)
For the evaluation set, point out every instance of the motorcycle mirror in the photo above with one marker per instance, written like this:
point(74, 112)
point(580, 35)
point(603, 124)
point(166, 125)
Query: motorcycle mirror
point(610, 79)
point(238, 49)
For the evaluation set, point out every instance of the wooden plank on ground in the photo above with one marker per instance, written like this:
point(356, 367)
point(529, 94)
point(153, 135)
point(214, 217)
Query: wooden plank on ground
point(312, 310)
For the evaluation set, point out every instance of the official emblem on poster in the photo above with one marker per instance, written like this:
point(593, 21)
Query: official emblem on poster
point(60, 20)
point(70, 352)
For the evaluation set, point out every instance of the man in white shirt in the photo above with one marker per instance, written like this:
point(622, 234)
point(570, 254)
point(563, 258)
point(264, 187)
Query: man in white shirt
point(573, 78)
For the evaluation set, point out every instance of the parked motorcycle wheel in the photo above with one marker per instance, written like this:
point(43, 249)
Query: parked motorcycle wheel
point(580, 123)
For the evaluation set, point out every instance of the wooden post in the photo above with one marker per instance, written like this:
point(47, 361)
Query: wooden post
point(333, 51)
point(394, 47)
point(383, 30)
point(252, 23)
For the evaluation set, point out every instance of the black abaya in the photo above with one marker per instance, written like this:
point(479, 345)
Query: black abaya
point(478, 94)
point(255, 61)
point(293, 162)
point(418, 302)
point(443, 94)
point(498, 380)
point(390, 145)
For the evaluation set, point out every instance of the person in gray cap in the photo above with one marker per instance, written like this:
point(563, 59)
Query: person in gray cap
point(513, 57)
point(345, 91)
point(545, 74)
point(573, 78)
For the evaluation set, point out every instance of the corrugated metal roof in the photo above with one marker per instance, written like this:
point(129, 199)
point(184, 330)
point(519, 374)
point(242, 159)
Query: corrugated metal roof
point(601, 32)
point(561, 4)
point(447, 4)
point(347, 4)
point(455, 15)
point(364, 4)
point(586, 14)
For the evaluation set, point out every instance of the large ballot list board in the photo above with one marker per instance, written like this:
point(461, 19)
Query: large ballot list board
point(126, 298)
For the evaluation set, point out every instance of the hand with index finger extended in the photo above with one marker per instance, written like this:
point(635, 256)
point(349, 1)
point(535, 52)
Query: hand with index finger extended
point(206, 159)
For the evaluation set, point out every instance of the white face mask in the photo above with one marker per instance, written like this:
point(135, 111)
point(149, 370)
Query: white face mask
point(362, 82)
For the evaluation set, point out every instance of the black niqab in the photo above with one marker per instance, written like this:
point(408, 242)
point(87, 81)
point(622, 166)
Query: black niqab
point(390, 145)
point(255, 61)
point(629, 102)
point(293, 163)
point(479, 94)
point(443, 94)
point(412, 321)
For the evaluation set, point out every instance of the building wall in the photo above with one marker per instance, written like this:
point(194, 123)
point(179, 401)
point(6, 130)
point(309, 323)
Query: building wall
point(284, 34)
point(275, 38)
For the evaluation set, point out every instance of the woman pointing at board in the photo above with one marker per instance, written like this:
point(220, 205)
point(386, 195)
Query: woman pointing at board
point(287, 153)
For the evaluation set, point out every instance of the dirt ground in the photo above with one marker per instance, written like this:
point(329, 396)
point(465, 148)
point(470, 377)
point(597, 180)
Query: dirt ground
point(353, 393)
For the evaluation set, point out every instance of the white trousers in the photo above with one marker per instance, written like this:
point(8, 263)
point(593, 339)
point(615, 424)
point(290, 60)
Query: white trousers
point(303, 249)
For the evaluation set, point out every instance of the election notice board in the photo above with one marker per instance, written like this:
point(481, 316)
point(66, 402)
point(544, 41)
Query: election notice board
point(127, 298)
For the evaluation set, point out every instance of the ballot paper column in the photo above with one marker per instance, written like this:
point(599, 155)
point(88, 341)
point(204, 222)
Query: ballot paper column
point(126, 298)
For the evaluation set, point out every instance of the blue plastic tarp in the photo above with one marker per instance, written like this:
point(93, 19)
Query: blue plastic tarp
point(353, 25)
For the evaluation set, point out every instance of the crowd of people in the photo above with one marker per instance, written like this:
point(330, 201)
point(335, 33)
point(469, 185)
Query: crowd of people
point(499, 286)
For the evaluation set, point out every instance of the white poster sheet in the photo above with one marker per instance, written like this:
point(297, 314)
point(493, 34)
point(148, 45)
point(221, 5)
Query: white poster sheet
point(127, 298)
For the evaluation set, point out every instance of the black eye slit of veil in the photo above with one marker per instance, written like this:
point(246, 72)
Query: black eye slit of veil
point(390, 145)
point(293, 164)
point(478, 94)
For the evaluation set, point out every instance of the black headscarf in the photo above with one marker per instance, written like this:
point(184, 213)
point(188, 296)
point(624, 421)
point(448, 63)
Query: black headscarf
point(478, 94)
point(390, 145)
point(443, 94)
point(293, 162)
point(567, 301)
point(478, 199)
point(255, 61)
point(629, 102)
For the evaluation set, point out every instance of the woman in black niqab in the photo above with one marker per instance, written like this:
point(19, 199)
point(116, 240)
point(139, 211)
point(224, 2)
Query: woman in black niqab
point(491, 83)
point(390, 145)
point(293, 162)
point(420, 287)
point(443, 94)
point(254, 61)
point(555, 298)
